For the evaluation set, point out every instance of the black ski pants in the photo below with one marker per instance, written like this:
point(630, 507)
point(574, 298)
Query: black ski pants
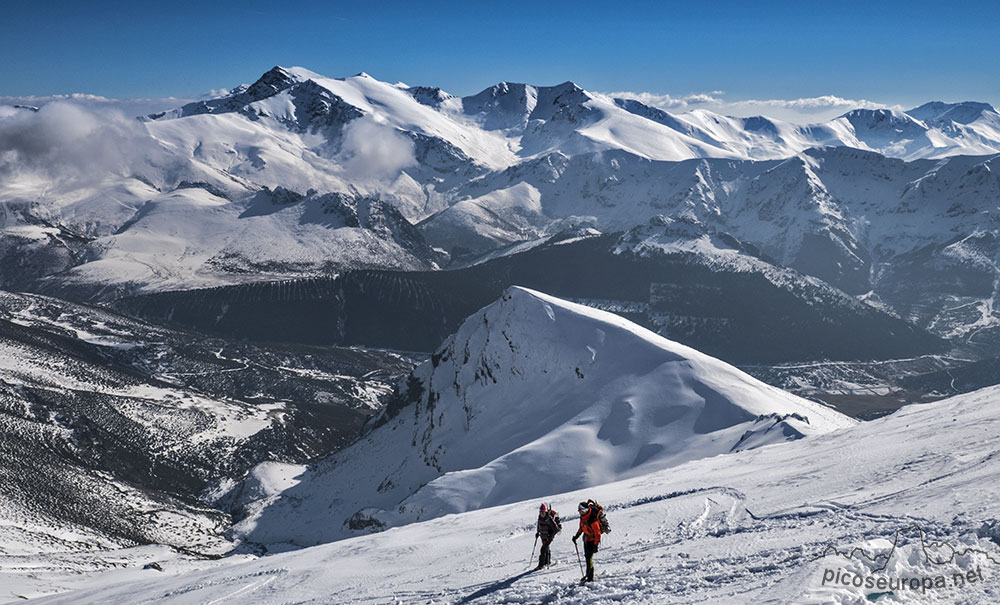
point(589, 548)
point(545, 556)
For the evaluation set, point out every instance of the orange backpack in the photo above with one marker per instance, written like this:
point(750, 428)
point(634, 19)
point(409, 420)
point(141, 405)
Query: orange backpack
point(601, 517)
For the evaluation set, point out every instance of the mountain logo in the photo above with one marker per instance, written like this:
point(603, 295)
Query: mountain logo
point(877, 576)
point(927, 546)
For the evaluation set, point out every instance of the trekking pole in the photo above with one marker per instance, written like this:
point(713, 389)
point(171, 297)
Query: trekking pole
point(532, 558)
point(578, 559)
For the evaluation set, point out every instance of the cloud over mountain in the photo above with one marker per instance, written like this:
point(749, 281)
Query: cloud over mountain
point(374, 151)
point(67, 141)
point(805, 109)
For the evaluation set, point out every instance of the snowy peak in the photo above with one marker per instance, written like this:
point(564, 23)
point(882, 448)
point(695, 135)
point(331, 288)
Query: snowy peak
point(565, 101)
point(532, 377)
point(760, 124)
point(511, 105)
point(502, 106)
point(305, 87)
point(272, 82)
point(885, 122)
point(874, 118)
point(965, 112)
point(429, 95)
point(942, 131)
point(567, 93)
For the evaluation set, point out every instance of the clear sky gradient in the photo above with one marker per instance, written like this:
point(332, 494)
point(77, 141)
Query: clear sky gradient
point(889, 52)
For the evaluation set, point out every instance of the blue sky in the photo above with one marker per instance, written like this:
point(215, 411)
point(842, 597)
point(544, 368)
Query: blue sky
point(888, 52)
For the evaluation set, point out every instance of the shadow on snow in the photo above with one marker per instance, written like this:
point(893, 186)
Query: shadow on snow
point(494, 587)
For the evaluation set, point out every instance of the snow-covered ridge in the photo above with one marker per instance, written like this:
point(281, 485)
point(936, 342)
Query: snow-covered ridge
point(532, 394)
point(192, 237)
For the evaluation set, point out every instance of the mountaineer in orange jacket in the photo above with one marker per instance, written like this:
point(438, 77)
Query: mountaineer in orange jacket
point(590, 527)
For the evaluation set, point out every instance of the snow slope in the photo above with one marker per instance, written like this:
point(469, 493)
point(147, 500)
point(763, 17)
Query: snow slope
point(750, 526)
point(531, 395)
point(192, 238)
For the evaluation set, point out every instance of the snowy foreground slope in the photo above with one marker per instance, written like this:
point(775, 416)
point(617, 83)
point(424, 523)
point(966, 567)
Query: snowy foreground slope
point(745, 527)
point(531, 395)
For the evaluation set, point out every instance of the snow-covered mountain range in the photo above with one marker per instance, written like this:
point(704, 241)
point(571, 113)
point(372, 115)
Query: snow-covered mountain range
point(921, 237)
point(509, 164)
point(510, 122)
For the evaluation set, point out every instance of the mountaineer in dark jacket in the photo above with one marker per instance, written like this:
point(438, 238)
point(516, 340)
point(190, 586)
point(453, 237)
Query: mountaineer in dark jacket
point(548, 527)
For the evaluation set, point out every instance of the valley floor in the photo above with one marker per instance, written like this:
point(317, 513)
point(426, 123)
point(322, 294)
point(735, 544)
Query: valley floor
point(747, 527)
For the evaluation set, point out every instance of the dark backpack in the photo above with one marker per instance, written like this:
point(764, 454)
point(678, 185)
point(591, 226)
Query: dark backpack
point(555, 518)
point(601, 517)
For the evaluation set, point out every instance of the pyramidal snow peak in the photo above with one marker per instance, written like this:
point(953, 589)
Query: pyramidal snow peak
point(532, 395)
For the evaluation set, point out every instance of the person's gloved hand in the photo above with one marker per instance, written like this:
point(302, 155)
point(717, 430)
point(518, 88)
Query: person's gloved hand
point(537, 534)
point(574, 538)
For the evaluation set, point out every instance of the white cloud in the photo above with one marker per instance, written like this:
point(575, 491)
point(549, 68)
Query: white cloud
point(66, 141)
point(374, 151)
point(670, 102)
point(129, 107)
point(215, 93)
point(802, 110)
